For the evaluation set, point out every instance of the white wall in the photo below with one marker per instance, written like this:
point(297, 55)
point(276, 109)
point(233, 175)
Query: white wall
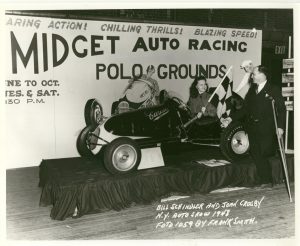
point(49, 130)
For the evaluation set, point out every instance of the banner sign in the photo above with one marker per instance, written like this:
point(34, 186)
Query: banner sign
point(53, 66)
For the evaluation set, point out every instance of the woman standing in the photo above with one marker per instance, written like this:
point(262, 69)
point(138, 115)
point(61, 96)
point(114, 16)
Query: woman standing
point(198, 101)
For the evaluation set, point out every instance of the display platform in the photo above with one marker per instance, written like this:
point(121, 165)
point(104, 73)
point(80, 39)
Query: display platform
point(84, 184)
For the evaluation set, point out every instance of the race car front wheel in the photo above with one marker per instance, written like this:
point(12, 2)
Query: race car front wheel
point(86, 141)
point(93, 112)
point(234, 142)
point(122, 155)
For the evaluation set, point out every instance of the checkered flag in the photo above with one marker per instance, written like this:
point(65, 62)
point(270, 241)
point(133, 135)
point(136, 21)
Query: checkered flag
point(222, 95)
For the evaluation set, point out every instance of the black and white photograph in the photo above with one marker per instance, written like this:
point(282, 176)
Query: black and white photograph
point(149, 123)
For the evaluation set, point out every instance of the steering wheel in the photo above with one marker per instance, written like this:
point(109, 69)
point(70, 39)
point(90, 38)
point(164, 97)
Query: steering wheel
point(182, 105)
point(163, 96)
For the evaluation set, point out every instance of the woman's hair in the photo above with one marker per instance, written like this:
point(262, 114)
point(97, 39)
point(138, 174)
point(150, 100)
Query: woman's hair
point(193, 89)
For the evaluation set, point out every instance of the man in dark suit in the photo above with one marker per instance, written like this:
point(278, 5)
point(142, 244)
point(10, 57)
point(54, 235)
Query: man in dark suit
point(258, 116)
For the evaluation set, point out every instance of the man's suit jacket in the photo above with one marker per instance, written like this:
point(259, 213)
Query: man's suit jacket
point(258, 108)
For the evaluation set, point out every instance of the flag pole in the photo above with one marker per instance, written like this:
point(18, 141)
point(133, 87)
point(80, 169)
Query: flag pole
point(282, 153)
point(197, 117)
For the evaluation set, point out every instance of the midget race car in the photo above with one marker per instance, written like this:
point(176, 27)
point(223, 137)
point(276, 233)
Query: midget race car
point(118, 139)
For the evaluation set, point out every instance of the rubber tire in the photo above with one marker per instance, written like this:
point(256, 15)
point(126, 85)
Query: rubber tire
point(82, 148)
point(109, 150)
point(89, 112)
point(225, 141)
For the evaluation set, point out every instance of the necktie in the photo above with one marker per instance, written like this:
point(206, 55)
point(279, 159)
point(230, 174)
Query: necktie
point(256, 88)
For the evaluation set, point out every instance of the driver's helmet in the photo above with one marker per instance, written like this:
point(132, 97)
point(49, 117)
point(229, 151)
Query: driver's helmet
point(139, 93)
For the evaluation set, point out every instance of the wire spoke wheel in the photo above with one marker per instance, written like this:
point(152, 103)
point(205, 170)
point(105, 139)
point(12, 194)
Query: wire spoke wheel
point(87, 141)
point(98, 114)
point(93, 112)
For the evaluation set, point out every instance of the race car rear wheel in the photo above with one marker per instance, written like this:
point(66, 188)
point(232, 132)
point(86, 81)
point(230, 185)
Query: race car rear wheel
point(122, 155)
point(86, 142)
point(93, 112)
point(234, 142)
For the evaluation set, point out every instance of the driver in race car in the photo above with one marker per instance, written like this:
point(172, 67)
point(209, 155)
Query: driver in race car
point(140, 93)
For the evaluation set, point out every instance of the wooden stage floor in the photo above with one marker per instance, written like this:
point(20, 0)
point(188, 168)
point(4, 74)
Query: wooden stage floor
point(26, 220)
